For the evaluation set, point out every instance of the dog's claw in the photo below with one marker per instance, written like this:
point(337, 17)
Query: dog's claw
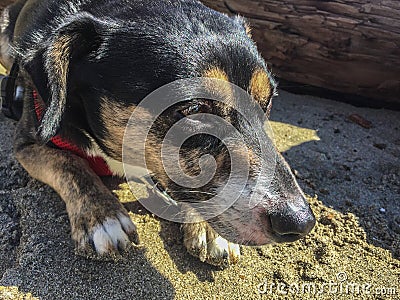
point(203, 242)
point(129, 228)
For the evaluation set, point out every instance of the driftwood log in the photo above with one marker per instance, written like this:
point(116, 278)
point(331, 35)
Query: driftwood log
point(350, 47)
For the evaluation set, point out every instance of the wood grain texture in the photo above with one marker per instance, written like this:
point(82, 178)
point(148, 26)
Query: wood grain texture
point(345, 46)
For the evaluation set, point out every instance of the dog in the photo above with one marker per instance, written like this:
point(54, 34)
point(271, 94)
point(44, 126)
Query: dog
point(85, 67)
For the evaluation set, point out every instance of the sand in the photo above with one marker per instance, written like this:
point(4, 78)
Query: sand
point(352, 177)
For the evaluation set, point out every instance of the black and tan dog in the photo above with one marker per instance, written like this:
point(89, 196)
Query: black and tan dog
point(90, 62)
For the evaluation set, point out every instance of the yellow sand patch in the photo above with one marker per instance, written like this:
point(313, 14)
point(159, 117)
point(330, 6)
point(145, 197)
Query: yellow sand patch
point(12, 293)
point(2, 70)
point(288, 136)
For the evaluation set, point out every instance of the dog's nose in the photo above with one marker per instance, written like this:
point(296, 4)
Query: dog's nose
point(293, 222)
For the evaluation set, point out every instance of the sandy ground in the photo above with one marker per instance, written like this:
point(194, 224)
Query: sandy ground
point(351, 173)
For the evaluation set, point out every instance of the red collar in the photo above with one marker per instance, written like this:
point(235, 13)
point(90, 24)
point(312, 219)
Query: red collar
point(96, 163)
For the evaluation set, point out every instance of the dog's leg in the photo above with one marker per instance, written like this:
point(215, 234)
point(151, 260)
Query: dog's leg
point(202, 241)
point(97, 217)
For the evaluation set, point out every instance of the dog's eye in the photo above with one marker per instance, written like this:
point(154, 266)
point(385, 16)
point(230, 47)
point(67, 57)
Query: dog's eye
point(195, 109)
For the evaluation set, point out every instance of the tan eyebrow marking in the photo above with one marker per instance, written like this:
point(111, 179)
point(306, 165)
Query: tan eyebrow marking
point(260, 87)
point(216, 73)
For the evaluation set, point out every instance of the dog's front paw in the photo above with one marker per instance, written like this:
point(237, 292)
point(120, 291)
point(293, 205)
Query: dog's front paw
point(203, 242)
point(105, 235)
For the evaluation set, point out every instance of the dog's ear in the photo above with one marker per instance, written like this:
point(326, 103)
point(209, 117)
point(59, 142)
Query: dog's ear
point(72, 42)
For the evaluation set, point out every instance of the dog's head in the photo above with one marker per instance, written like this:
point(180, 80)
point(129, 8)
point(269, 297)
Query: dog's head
point(96, 72)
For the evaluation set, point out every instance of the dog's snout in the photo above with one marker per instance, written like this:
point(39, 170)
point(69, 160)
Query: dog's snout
point(292, 223)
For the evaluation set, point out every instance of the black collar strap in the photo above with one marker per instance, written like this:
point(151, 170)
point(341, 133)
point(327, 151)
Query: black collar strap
point(11, 105)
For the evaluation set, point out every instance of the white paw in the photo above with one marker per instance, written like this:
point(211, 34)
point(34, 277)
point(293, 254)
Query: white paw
point(111, 236)
point(220, 249)
point(203, 242)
